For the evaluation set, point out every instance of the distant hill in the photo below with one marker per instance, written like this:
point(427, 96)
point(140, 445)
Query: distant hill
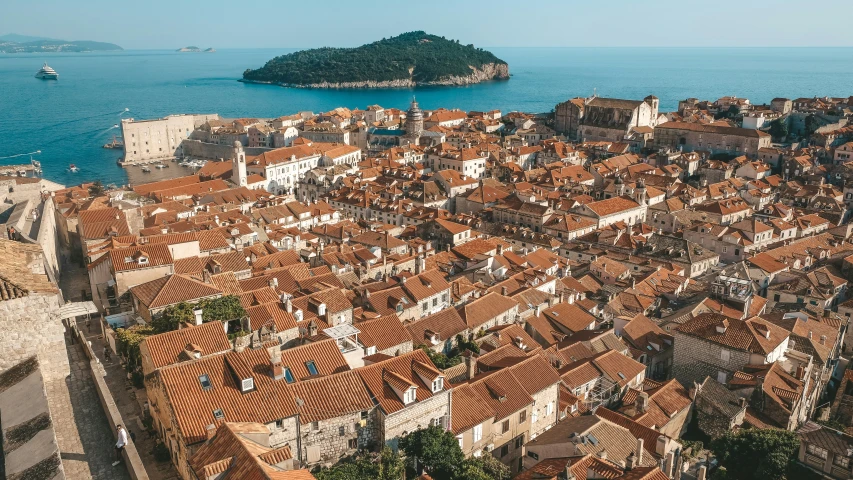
point(414, 58)
point(14, 37)
point(14, 43)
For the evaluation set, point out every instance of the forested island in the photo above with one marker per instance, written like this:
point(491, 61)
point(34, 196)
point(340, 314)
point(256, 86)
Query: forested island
point(21, 44)
point(410, 59)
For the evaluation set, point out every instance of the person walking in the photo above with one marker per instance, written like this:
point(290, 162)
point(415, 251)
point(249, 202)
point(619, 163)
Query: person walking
point(107, 354)
point(121, 443)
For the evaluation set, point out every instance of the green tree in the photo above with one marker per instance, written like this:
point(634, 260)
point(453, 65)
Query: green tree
point(96, 188)
point(811, 125)
point(486, 467)
point(386, 465)
point(224, 309)
point(778, 128)
point(436, 450)
point(172, 317)
point(755, 453)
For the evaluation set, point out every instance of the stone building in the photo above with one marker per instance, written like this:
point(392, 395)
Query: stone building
point(604, 119)
point(29, 311)
point(713, 345)
point(158, 139)
point(711, 137)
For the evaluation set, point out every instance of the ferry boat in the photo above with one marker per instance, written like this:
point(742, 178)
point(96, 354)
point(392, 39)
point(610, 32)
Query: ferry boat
point(47, 73)
point(73, 168)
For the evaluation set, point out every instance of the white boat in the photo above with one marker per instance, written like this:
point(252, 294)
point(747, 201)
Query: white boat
point(146, 169)
point(160, 165)
point(73, 168)
point(47, 73)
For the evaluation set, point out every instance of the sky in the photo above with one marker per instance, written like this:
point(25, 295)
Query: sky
point(170, 24)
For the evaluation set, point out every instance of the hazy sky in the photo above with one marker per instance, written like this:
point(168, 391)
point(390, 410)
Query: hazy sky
point(497, 23)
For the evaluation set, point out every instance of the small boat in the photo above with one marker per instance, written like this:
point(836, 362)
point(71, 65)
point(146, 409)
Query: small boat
point(73, 168)
point(160, 165)
point(47, 73)
point(116, 144)
point(146, 169)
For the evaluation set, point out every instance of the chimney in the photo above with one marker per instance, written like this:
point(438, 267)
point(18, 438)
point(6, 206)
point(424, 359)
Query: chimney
point(701, 473)
point(569, 474)
point(602, 454)
point(630, 462)
point(670, 462)
point(538, 310)
point(210, 431)
point(273, 282)
point(312, 328)
point(276, 368)
point(198, 316)
point(742, 402)
point(500, 249)
point(639, 452)
point(504, 291)
point(823, 339)
point(826, 312)
point(642, 402)
point(470, 364)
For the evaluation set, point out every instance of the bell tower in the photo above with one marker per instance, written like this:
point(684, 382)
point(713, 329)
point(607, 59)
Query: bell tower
point(238, 168)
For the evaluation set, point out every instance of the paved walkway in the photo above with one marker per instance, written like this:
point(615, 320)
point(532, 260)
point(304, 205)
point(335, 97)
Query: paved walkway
point(84, 436)
point(128, 399)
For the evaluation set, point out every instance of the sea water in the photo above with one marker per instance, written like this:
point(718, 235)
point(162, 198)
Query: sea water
point(70, 120)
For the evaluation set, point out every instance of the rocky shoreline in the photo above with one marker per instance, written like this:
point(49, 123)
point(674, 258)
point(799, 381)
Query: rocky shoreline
point(489, 71)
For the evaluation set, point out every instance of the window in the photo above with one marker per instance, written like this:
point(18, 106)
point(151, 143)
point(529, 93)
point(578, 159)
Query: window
point(204, 380)
point(574, 407)
point(533, 455)
point(438, 384)
point(478, 432)
point(288, 375)
point(721, 377)
point(725, 355)
point(549, 409)
point(522, 416)
point(315, 426)
point(247, 384)
point(435, 302)
point(444, 298)
point(218, 414)
point(534, 416)
point(817, 451)
point(312, 367)
point(425, 306)
point(342, 430)
point(841, 461)
point(352, 443)
point(504, 450)
point(519, 441)
point(505, 426)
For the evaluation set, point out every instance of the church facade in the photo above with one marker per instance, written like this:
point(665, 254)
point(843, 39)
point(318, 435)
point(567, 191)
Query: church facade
point(604, 119)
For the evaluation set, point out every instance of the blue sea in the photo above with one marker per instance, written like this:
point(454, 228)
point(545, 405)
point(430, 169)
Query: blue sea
point(70, 119)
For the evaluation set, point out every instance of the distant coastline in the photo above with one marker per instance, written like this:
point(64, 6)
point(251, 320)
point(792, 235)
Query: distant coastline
point(13, 43)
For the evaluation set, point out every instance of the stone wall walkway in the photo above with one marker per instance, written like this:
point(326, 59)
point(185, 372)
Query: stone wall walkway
point(85, 438)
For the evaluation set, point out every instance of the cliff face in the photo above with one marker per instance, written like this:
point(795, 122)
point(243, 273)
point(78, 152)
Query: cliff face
point(489, 71)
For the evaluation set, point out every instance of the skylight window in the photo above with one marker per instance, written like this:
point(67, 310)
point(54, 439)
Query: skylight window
point(218, 414)
point(288, 375)
point(312, 368)
point(621, 375)
point(204, 380)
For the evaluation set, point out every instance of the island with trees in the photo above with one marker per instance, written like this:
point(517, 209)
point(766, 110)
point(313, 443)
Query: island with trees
point(13, 43)
point(407, 60)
